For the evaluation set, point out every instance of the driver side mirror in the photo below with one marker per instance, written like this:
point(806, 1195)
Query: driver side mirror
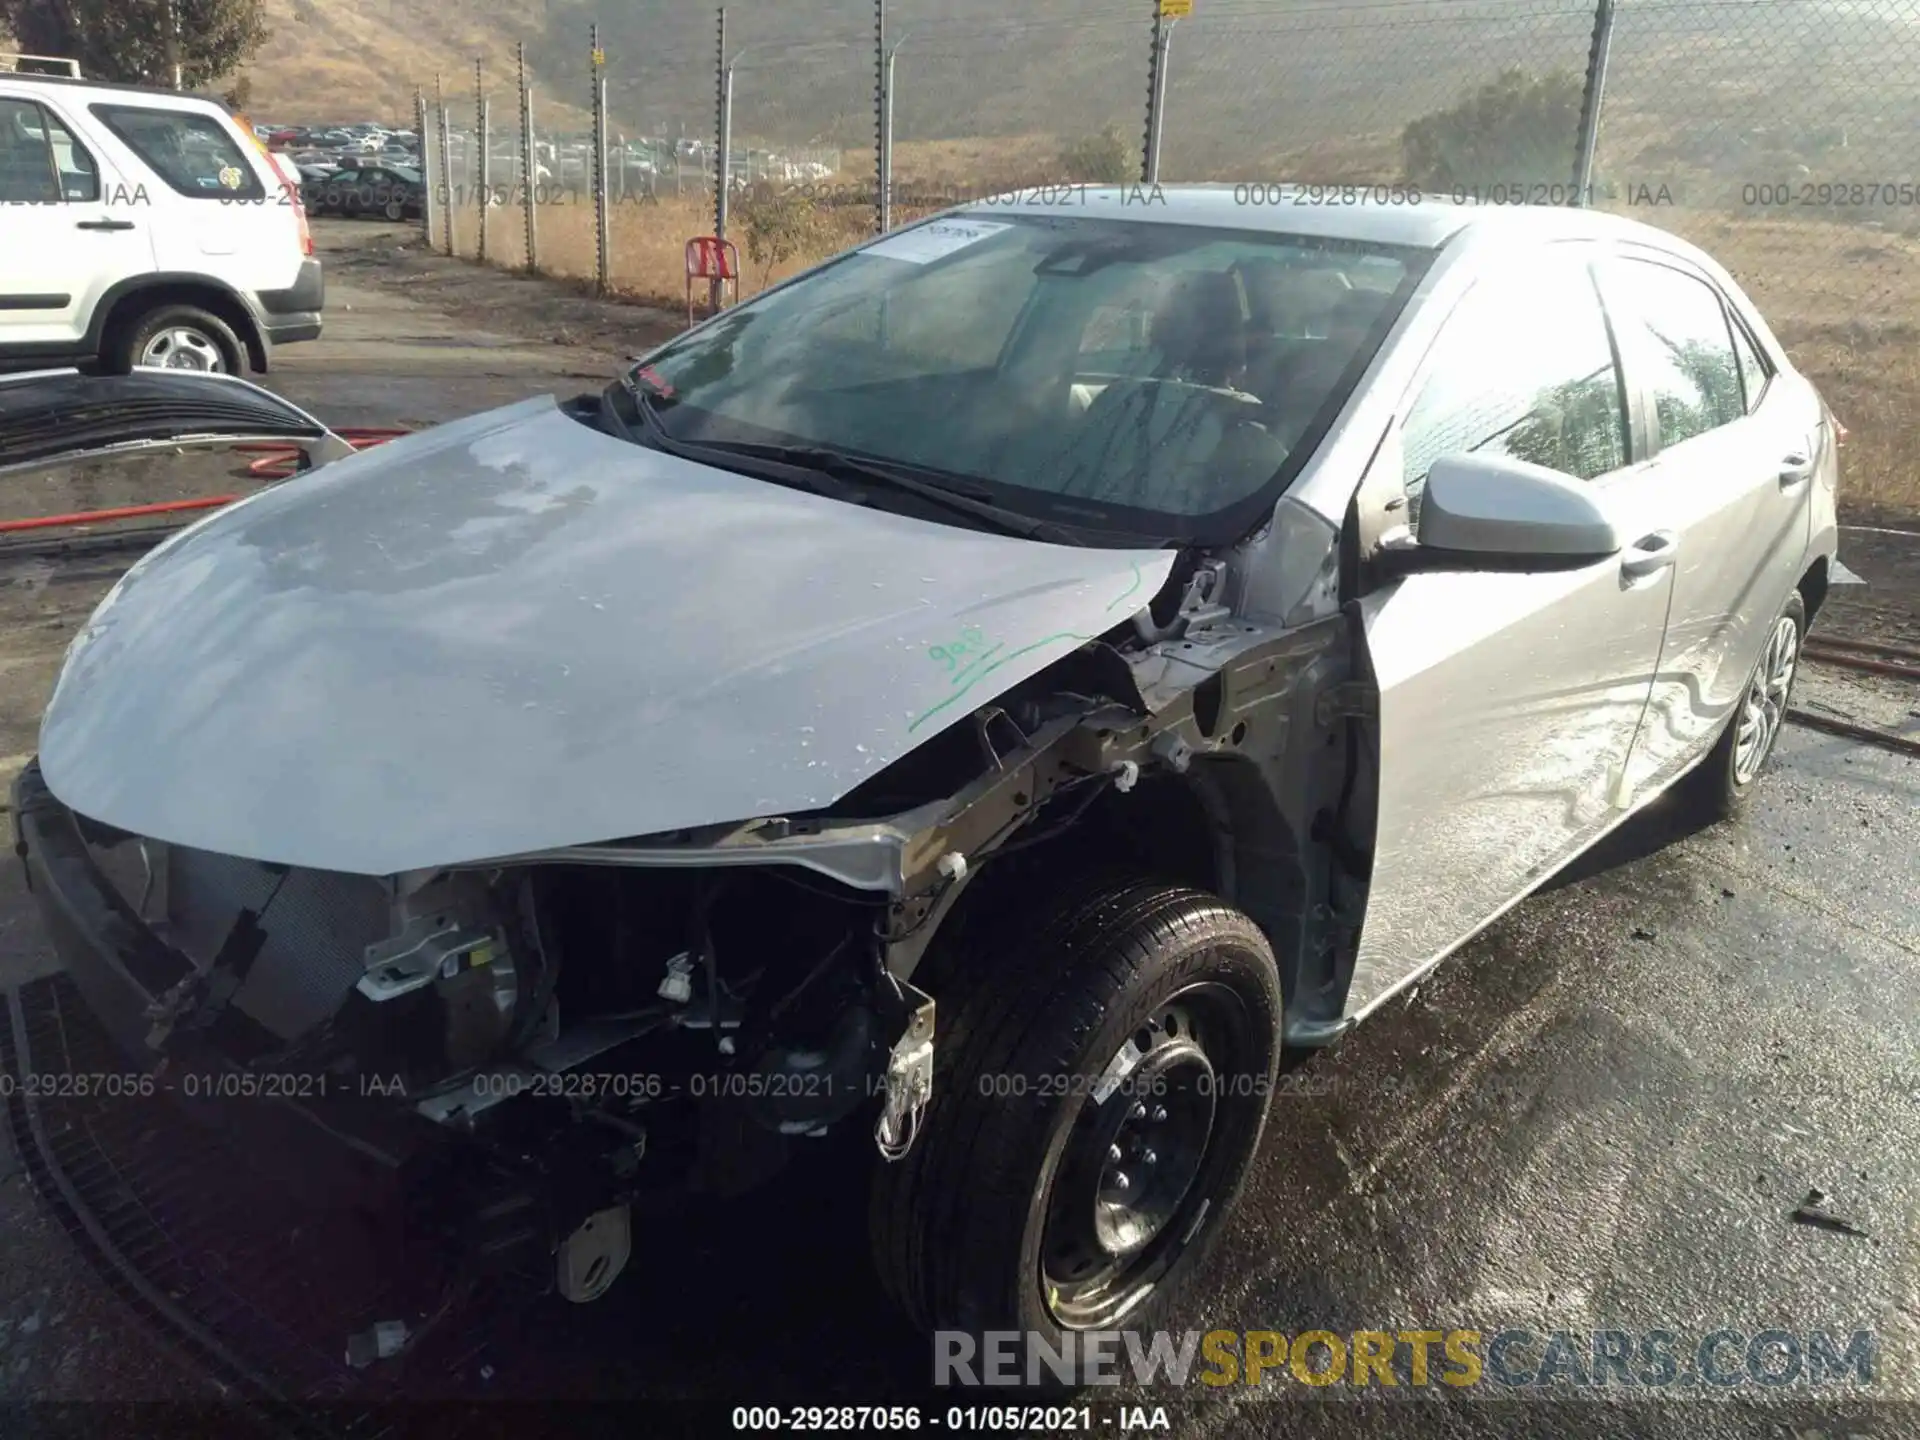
point(1491, 512)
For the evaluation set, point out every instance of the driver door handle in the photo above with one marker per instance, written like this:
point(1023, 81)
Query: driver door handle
point(104, 225)
point(1796, 468)
point(1650, 554)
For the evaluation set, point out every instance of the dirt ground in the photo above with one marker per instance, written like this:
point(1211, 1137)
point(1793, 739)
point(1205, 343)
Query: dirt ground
point(1600, 1113)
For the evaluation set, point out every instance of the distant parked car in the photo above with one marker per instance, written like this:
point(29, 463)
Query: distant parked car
point(391, 191)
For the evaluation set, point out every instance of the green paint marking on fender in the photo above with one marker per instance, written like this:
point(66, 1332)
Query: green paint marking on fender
point(985, 670)
point(1129, 592)
point(991, 660)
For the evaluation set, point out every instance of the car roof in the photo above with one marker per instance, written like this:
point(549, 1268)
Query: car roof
point(1374, 214)
point(161, 92)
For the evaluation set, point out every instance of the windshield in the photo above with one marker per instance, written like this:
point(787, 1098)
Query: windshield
point(1153, 379)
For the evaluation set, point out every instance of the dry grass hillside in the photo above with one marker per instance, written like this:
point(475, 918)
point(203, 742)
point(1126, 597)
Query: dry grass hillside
point(361, 59)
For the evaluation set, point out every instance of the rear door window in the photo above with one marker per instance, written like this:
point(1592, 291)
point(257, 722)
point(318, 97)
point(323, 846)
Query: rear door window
point(189, 150)
point(1675, 331)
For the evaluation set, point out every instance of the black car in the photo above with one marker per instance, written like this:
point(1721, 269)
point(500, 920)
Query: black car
point(392, 191)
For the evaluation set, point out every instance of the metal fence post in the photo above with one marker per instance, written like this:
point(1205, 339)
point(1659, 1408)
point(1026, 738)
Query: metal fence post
point(483, 137)
point(722, 160)
point(600, 236)
point(886, 126)
point(1163, 24)
point(1591, 102)
point(722, 97)
point(446, 159)
point(882, 103)
point(427, 206)
point(529, 166)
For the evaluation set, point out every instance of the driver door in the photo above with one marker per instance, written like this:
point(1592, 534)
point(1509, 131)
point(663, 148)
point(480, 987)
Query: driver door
point(1509, 701)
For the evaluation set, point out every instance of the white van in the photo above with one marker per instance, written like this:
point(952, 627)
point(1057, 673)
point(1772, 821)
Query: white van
point(143, 227)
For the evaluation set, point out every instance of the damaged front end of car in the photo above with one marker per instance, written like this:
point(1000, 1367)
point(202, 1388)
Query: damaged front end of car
point(548, 1041)
point(535, 1050)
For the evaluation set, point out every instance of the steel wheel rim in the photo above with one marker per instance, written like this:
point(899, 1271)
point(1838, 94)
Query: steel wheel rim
point(1125, 1197)
point(180, 348)
point(1765, 707)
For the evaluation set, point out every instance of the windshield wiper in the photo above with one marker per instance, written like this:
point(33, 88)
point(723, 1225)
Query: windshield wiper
point(833, 473)
point(641, 403)
point(838, 465)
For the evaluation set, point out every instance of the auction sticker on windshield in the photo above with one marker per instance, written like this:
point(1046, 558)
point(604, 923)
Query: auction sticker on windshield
point(926, 243)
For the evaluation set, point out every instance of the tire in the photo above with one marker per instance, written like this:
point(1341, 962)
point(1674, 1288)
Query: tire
point(395, 210)
point(973, 1230)
point(1718, 788)
point(183, 331)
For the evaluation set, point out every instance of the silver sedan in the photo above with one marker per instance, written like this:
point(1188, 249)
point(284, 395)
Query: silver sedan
point(993, 690)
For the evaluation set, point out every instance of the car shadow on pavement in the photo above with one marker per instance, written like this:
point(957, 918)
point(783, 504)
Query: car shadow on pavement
point(1665, 822)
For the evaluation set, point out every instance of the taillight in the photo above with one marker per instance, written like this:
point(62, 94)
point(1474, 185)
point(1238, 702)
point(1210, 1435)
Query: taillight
point(290, 185)
point(1832, 422)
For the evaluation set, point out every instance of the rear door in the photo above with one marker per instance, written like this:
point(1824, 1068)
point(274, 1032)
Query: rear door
point(1735, 446)
point(1508, 701)
point(220, 208)
point(71, 227)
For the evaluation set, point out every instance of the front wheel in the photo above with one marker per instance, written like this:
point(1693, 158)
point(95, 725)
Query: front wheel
point(1101, 1085)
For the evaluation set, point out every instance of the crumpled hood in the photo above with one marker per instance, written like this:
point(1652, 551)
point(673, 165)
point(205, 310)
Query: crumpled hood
point(514, 632)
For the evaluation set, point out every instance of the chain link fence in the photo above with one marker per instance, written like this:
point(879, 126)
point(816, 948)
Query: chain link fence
point(1782, 135)
point(1334, 88)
